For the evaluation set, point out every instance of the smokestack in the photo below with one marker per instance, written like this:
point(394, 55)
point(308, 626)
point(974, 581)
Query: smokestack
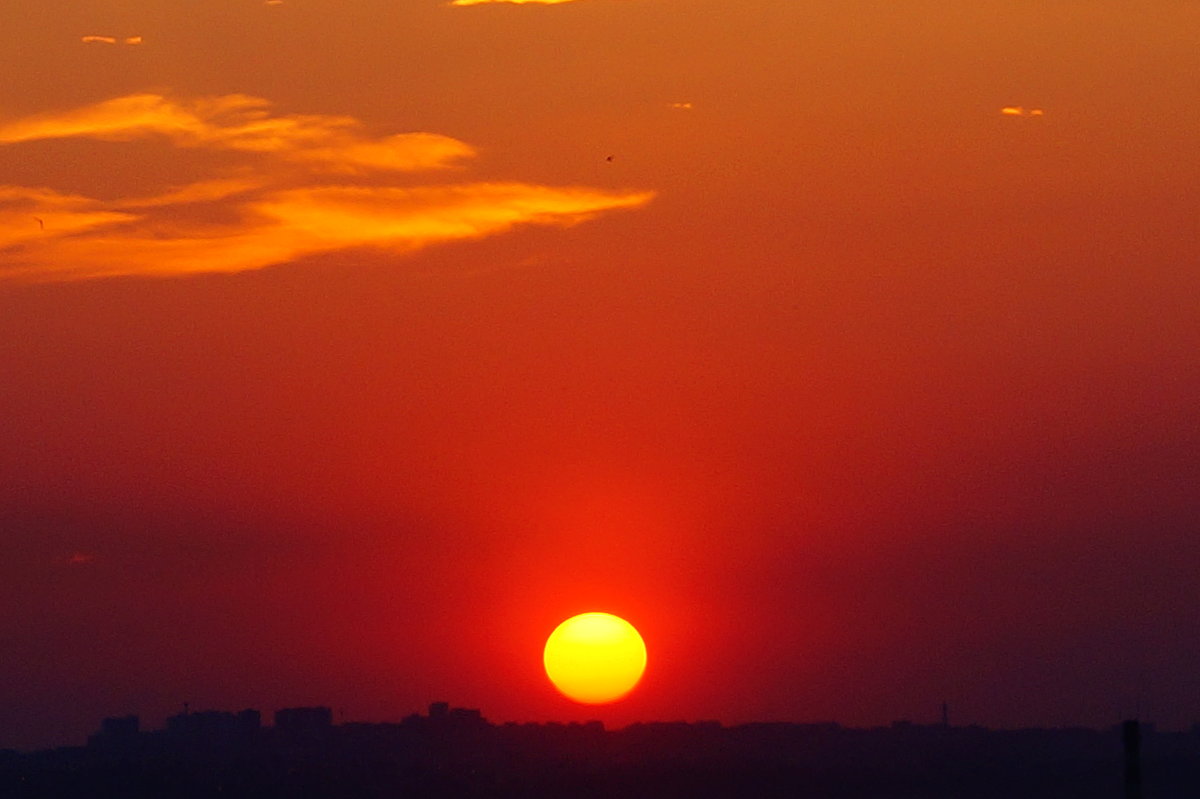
point(1131, 736)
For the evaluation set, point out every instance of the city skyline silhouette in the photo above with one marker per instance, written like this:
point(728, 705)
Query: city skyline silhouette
point(454, 751)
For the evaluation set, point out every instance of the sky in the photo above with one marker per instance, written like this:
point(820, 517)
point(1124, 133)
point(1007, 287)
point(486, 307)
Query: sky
point(846, 348)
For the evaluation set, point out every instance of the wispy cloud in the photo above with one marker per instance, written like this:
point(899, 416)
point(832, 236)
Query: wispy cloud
point(1021, 111)
point(305, 185)
point(200, 192)
point(239, 122)
point(510, 2)
point(33, 215)
point(110, 40)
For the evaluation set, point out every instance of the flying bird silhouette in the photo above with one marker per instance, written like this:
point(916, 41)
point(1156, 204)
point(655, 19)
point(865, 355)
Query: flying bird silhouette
point(41, 224)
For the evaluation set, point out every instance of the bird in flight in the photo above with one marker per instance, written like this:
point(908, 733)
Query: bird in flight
point(41, 223)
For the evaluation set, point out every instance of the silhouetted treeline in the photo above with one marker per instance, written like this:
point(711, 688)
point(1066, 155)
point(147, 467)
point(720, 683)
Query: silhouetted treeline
point(454, 752)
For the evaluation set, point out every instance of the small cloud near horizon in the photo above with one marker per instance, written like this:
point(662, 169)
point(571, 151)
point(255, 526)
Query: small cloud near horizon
point(304, 185)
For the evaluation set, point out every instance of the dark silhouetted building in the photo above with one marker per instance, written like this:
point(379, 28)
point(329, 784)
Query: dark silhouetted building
point(304, 720)
point(1131, 737)
point(249, 720)
point(117, 734)
point(204, 724)
point(120, 725)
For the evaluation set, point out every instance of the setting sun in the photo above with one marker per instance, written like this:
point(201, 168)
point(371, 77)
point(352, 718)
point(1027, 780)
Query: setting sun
point(595, 658)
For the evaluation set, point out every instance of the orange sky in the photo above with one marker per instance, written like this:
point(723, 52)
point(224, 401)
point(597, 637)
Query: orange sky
point(347, 348)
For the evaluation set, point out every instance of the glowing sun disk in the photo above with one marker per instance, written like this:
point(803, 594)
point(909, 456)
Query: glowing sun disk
point(595, 658)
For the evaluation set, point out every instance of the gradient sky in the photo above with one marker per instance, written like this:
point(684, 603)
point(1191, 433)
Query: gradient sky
point(348, 347)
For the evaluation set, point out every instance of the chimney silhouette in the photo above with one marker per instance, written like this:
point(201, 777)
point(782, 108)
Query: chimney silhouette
point(1131, 736)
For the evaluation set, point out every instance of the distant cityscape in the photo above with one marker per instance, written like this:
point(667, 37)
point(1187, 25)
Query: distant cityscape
point(453, 751)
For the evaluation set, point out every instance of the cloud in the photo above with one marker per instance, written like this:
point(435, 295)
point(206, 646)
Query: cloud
point(241, 123)
point(199, 192)
point(303, 185)
point(408, 217)
point(284, 225)
point(510, 2)
point(110, 40)
point(403, 152)
point(1021, 111)
point(35, 215)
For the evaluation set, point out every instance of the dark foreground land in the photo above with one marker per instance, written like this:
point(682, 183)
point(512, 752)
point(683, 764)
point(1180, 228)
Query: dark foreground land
point(456, 753)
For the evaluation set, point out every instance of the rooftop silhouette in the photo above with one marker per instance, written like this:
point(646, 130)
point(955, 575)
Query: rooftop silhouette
point(453, 751)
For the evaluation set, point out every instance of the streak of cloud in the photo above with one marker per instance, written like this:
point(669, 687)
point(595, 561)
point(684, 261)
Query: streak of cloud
point(407, 217)
point(1021, 111)
point(31, 215)
point(509, 2)
point(200, 192)
point(281, 205)
point(239, 122)
point(404, 152)
point(110, 40)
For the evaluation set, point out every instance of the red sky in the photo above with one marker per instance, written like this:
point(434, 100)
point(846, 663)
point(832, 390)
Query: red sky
point(339, 362)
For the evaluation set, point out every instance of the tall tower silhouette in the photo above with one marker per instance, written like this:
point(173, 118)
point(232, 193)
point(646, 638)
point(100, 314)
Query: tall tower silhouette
point(1131, 737)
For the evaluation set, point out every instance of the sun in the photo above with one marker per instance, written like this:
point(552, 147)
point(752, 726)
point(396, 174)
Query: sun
point(595, 658)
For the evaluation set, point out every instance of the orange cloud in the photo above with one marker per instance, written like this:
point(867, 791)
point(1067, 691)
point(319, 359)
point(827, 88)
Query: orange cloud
point(201, 192)
point(110, 39)
point(403, 152)
point(511, 2)
point(1021, 111)
point(285, 225)
point(238, 122)
point(33, 215)
point(278, 206)
point(335, 216)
